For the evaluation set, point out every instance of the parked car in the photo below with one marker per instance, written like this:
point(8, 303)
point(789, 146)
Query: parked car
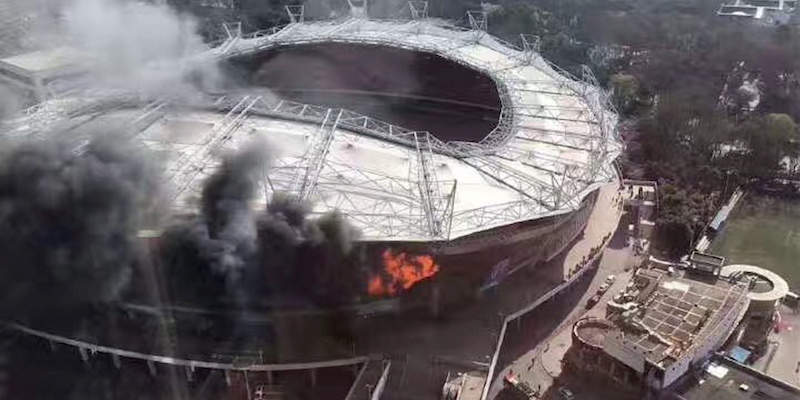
point(603, 288)
point(566, 394)
point(594, 300)
point(610, 279)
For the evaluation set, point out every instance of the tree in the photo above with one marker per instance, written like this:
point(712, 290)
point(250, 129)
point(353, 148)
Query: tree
point(768, 140)
point(627, 93)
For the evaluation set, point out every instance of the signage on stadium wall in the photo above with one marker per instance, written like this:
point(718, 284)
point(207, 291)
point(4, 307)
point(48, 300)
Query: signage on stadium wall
point(500, 270)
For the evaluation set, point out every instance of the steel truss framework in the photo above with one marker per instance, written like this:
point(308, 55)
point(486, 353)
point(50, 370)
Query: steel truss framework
point(554, 143)
point(541, 104)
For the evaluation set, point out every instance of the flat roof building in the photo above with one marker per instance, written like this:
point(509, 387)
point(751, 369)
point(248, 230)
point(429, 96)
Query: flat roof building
point(660, 326)
point(725, 379)
point(40, 75)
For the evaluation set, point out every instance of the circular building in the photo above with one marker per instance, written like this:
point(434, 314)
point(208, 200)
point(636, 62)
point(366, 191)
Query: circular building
point(590, 333)
point(452, 152)
point(766, 289)
point(459, 157)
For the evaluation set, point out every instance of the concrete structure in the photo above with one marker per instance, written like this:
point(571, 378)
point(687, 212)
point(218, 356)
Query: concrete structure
point(515, 197)
point(763, 11)
point(657, 329)
point(41, 75)
point(705, 264)
point(766, 291)
point(766, 288)
point(725, 379)
point(642, 201)
point(479, 209)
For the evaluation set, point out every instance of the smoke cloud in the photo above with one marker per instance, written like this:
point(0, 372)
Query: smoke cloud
point(132, 46)
point(313, 257)
point(68, 220)
point(240, 256)
point(226, 210)
point(208, 256)
point(138, 47)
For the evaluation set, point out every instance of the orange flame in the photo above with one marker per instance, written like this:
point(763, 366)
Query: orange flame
point(400, 271)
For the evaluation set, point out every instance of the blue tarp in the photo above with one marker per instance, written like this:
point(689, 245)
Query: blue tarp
point(739, 354)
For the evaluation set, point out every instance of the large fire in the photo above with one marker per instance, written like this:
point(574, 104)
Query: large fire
point(400, 272)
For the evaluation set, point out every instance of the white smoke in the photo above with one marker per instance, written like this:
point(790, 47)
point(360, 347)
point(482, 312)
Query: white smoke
point(136, 46)
point(128, 45)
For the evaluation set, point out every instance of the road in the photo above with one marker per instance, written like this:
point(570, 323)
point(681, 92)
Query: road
point(535, 350)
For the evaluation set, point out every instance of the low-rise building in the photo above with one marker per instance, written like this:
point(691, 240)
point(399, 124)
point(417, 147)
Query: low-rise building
point(725, 379)
point(657, 329)
point(40, 75)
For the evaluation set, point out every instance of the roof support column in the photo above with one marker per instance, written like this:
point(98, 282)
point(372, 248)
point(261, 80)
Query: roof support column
point(419, 9)
point(84, 354)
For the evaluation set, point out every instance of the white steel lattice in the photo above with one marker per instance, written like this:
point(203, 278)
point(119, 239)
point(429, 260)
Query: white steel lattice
point(554, 143)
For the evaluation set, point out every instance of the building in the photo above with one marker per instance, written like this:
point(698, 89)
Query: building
point(725, 379)
point(642, 203)
point(656, 330)
point(37, 76)
point(769, 12)
point(766, 291)
point(705, 264)
point(505, 177)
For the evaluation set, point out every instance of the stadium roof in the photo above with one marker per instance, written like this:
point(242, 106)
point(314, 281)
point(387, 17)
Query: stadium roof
point(555, 142)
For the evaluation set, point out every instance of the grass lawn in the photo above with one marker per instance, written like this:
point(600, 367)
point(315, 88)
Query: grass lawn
point(764, 231)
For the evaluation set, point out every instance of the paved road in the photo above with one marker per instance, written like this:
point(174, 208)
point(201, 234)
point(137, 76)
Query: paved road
point(535, 350)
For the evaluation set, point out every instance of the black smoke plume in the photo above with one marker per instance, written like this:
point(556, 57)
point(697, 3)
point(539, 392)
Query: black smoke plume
point(227, 214)
point(207, 257)
point(312, 257)
point(227, 253)
point(68, 221)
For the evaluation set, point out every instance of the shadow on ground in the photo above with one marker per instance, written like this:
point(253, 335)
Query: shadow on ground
point(525, 333)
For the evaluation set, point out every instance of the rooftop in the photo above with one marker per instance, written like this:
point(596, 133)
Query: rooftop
point(724, 378)
point(44, 60)
point(555, 142)
point(665, 316)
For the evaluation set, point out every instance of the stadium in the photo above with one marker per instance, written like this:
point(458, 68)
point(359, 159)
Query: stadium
point(459, 158)
point(444, 146)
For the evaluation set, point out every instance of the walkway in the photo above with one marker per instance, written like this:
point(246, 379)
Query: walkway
point(616, 257)
point(602, 223)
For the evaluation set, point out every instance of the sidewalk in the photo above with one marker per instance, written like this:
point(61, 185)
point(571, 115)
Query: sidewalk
point(557, 345)
point(542, 364)
point(602, 224)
